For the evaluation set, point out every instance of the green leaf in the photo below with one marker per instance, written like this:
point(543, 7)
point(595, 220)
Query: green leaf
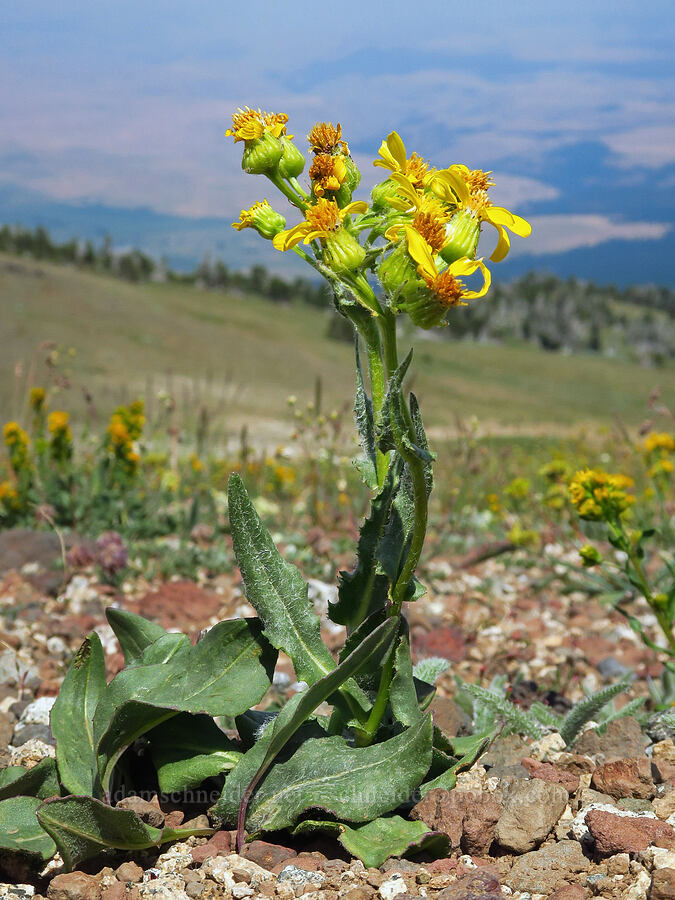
point(187, 749)
point(587, 709)
point(362, 591)
point(225, 673)
point(300, 707)
point(72, 717)
point(20, 830)
point(393, 424)
point(470, 748)
point(363, 415)
point(354, 784)
point(82, 827)
point(133, 632)
point(276, 589)
point(402, 693)
point(41, 781)
point(165, 648)
point(378, 840)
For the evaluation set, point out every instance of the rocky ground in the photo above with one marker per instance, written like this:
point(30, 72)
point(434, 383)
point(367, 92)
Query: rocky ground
point(530, 820)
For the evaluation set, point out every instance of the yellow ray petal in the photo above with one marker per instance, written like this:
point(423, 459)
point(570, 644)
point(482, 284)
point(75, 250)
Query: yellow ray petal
point(406, 188)
point(497, 215)
point(289, 238)
point(356, 206)
point(449, 184)
point(470, 266)
point(503, 244)
point(420, 252)
point(397, 149)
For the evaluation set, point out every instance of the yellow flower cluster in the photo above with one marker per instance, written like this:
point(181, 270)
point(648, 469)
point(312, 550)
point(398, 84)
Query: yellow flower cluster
point(658, 448)
point(9, 497)
point(599, 496)
point(37, 398)
point(61, 442)
point(124, 430)
point(16, 440)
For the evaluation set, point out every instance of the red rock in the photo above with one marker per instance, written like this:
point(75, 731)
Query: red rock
point(624, 778)
point(442, 811)
point(147, 811)
point(442, 866)
point(478, 885)
point(448, 642)
point(549, 772)
point(115, 892)
point(267, 855)
point(74, 886)
point(627, 834)
point(664, 772)
point(219, 842)
point(570, 892)
point(663, 885)
point(174, 818)
point(482, 811)
point(179, 604)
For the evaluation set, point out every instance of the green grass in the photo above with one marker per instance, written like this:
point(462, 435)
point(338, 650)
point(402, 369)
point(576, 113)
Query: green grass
point(242, 356)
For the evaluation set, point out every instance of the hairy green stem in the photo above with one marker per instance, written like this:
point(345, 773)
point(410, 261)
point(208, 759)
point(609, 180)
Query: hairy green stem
point(288, 192)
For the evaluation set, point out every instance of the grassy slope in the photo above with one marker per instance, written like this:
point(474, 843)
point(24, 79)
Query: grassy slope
point(244, 356)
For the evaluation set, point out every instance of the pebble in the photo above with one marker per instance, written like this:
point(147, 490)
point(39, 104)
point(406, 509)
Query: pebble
point(297, 877)
point(170, 886)
point(531, 811)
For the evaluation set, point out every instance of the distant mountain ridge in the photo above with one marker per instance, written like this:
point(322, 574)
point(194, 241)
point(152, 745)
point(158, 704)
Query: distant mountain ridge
point(185, 241)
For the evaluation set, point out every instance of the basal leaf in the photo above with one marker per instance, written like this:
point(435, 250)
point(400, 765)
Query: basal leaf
point(225, 673)
point(133, 632)
point(41, 781)
point(165, 648)
point(376, 841)
point(469, 749)
point(72, 717)
point(187, 749)
point(300, 707)
point(82, 827)
point(20, 830)
point(353, 784)
point(362, 591)
point(276, 589)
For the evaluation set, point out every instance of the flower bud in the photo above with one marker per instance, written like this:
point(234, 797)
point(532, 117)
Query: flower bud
point(383, 192)
point(262, 155)
point(342, 252)
point(590, 556)
point(353, 179)
point(398, 273)
point(424, 308)
point(463, 231)
point(292, 161)
point(265, 220)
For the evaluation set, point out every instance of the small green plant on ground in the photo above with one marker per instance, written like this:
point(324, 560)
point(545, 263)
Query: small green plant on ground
point(378, 747)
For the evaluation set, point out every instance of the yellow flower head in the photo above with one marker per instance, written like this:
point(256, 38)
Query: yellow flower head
point(37, 398)
point(265, 220)
point(327, 138)
point(58, 422)
point(327, 173)
point(393, 156)
point(118, 431)
point(445, 284)
point(468, 188)
point(250, 124)
point(14, 435)
point(599, 496)
point(659, 441)
point(322, 220)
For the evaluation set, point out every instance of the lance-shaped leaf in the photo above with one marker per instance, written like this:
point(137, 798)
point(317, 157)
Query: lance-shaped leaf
point(41, 781)
point(187, 749)
point(365, 425)
point(402, 693)
point(224, 674)
point(82, 827)
point(72, 717)
point(382, 838)
point(276, 589)
point(469, 749)
point(375, 647)
point(355, 784)
point(20, 830)
point(362, 591)
point(133, 632)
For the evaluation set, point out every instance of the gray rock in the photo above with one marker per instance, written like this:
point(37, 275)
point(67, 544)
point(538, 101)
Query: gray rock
point(37, 712)
point(299, 877)
point(623, 739)
point(548, 868)
point(25, 733)
point(506, 751)
point(660, 727)
point(611, 669)
point(531, 811)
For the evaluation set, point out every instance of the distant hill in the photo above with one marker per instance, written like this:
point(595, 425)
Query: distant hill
point(185, 241)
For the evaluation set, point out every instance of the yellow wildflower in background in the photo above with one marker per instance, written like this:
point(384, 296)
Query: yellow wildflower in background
point(36, 399)
point(659, 441)
point(58, 421)
point(599, 496)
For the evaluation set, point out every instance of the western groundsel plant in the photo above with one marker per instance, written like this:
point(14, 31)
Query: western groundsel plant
point(353, 747)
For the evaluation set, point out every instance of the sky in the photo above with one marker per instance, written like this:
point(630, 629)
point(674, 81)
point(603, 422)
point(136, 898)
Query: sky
point(124, 105)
